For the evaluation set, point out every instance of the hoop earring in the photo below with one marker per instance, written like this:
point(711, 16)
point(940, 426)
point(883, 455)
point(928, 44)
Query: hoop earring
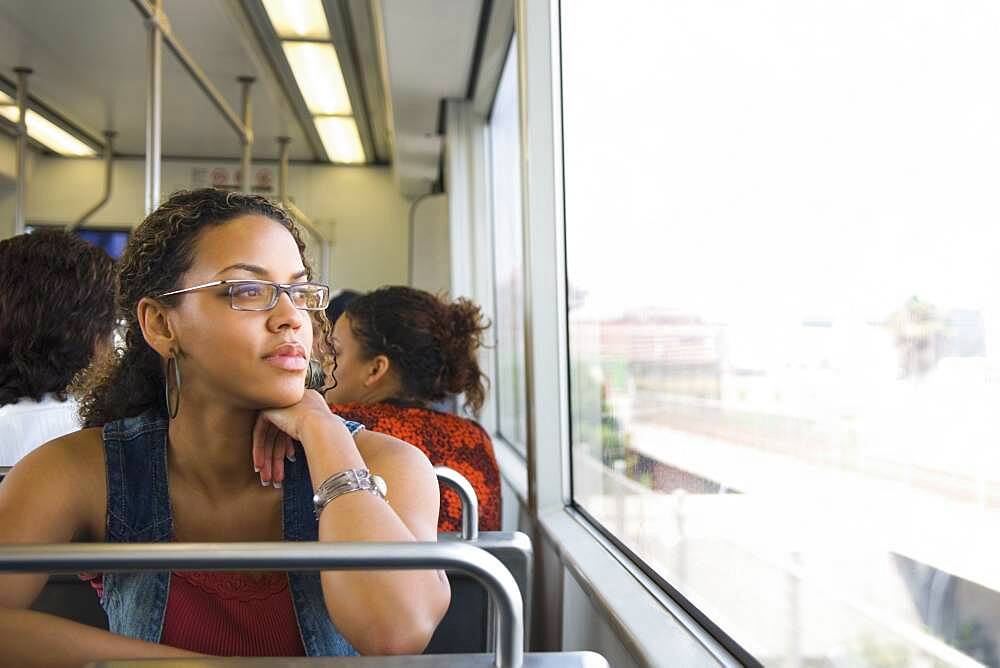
point(172, 408)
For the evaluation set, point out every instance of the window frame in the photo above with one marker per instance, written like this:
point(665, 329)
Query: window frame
point(649, 618)
point(520, 449)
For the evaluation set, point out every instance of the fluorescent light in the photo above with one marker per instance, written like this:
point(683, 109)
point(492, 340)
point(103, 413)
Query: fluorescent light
point(317, 71)
point(44, 131)
point(298, 18)
point(340, 138)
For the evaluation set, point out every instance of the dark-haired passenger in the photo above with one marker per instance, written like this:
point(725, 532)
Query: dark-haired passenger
point(57, 300)
point(220, 316)
point(398, 351)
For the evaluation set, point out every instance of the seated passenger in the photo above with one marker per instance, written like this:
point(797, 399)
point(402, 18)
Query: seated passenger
point(57, 302)
point(220, 316)
point(398, 350)
point(338, 303)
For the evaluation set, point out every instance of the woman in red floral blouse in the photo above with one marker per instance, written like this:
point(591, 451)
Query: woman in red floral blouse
point(398, 351)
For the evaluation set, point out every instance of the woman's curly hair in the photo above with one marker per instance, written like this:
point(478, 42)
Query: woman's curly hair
point(431, 342)
point(57, 299)
point(131, 381)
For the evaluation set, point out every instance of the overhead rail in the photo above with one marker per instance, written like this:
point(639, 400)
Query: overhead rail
point(21, 168)
point(159, 32)
point(296, 212)
point(297, 556)
point(109, 151)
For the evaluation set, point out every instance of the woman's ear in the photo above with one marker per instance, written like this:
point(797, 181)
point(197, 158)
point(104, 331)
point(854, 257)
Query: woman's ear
point(156, 326)
point(378, 369)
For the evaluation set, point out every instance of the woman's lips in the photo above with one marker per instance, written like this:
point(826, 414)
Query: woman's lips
point(287, 362)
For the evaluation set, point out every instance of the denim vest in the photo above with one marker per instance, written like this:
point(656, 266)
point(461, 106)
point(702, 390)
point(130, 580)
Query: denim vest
point(139, 512)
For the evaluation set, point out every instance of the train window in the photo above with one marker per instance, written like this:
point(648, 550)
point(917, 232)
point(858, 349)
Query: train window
point(784, 316)
point(505, 165)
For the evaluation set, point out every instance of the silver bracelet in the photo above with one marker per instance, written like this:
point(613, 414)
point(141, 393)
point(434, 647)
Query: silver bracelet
point(345, 482)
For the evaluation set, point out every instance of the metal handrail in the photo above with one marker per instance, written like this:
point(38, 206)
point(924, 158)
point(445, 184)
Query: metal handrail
point(297, 213)
point(291, 556)
point(155, 14)
point(109, 151)
point(467, 493)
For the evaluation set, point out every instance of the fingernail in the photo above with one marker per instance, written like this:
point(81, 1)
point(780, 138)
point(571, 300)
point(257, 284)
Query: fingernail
point(264, 483)
point(256, 470)
point(290, 458)
point(277, 485)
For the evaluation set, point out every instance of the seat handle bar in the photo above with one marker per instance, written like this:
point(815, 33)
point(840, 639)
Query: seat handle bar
point(290, 556)
point(467, 493)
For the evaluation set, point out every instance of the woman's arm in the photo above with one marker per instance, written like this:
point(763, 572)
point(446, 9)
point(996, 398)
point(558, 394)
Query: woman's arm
point(379, 612)
point(56, 494)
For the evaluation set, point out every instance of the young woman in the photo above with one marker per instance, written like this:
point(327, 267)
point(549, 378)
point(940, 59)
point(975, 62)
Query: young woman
point(398, 351)
point(220, 313)
point(57, 302)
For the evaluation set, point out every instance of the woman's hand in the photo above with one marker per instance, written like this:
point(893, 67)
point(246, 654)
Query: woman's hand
point(275, 430)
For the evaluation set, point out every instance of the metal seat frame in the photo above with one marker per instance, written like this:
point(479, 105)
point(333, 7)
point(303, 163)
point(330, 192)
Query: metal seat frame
point(449, 555)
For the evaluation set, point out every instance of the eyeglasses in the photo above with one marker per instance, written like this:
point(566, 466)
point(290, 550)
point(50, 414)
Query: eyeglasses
point(250, 295)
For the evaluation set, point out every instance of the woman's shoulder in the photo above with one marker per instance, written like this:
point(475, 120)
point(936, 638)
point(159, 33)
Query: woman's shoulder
point(390, 450)
point(77, 453)
point(408, 422)
point(63, 482)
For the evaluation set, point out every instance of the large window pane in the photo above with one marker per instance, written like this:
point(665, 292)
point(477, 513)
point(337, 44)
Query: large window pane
point(784, 315)
point(505, 161)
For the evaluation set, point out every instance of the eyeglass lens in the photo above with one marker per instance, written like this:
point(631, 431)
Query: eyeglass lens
point(264, 296)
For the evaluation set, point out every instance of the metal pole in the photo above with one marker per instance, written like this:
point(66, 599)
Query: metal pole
point(283, 143)
point(154, 102)
point(246, 137)
point(154, 12)
point(301, 556)
point(296, 212)
point(467, 493)
point(21, 196)
point(109, 151)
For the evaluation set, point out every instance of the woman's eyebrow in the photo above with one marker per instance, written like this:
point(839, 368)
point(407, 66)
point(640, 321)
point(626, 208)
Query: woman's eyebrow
point(259, 271)
point(252, 268)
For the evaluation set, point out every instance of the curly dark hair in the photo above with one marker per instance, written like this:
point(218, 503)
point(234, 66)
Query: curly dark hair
point(430, 341)
point(160, 251)
point(57, 298)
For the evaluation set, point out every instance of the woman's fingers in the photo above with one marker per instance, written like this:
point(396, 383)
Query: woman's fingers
point(281, 442)
point(259, 433)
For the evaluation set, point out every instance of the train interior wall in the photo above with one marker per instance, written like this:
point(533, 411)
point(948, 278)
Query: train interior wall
point(359, 208)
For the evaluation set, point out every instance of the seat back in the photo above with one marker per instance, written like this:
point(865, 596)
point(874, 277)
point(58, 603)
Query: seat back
point(468, 626)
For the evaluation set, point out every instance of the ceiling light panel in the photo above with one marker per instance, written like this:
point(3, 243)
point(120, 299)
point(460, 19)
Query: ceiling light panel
point(340, 138)
point(317, 72)
point(298, 19)
point(45, 132)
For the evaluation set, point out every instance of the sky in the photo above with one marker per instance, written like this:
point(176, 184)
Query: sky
point(782, 160)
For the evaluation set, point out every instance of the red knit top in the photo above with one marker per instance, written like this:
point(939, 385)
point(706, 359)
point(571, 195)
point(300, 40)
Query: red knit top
point(232, 614)
point(447, 440)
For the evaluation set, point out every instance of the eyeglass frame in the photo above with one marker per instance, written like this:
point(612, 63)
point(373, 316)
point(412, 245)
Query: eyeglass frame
point(279, 289)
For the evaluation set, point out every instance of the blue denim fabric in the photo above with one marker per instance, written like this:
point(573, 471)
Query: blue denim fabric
point(139, 512)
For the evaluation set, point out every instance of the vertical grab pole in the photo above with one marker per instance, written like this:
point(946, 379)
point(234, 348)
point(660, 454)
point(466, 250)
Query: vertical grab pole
point(154, 104)
point(247, 138)
point(21, 196)
point(283, 143)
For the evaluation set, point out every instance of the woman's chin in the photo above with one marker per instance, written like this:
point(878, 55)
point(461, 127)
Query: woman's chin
point(281, 395)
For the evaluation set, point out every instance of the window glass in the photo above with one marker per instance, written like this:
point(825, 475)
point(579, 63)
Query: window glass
point(505, 162)
point(784, 315)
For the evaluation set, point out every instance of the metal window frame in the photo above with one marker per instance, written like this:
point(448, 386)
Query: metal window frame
point(634, 604)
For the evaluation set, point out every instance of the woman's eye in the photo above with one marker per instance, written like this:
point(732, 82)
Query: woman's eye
point(247, 291)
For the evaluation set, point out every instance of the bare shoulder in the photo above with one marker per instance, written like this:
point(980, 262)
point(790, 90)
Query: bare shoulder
point(79, 455)
point(390, 452)
point(413, 488)
point(61, 485)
